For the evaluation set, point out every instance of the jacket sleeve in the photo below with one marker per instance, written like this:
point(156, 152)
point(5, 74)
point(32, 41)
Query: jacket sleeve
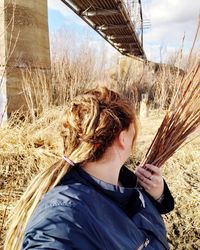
point(167, 204)
point(57, 228)
point(129, 179)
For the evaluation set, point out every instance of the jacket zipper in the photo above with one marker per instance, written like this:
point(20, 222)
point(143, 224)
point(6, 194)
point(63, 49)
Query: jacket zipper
point(144, 244)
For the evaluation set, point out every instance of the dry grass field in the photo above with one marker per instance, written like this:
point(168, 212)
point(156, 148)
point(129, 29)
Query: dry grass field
point(25, 148)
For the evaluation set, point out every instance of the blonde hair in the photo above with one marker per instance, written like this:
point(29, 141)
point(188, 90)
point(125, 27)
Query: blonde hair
point(90, 124)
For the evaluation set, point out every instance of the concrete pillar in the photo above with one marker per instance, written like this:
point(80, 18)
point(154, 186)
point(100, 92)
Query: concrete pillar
point(3, 94)
point(24, 43)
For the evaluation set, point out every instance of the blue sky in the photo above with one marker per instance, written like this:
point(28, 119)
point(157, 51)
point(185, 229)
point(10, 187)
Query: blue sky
point(63, 18)
point(170, 19)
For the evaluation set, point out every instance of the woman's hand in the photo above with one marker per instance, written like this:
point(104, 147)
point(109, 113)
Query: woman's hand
point(150, 178)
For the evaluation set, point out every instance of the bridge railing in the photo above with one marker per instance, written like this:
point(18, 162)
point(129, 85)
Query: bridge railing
point(119, 22)
point(134, 9)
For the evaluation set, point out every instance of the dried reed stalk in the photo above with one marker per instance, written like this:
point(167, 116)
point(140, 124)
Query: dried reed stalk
point(180, 122)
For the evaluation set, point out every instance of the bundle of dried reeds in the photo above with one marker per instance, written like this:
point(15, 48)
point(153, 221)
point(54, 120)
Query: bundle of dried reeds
point(182, 118)
point(180, 122)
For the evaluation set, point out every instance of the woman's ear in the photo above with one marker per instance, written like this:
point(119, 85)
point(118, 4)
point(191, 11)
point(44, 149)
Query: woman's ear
point(126, 138)
point(122, 138)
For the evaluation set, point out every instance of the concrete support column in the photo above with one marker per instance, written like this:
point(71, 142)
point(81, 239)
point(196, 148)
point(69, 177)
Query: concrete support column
point(3, 92)
point(24, 43)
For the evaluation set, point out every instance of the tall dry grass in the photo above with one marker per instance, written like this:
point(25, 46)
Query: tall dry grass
point(74, 68)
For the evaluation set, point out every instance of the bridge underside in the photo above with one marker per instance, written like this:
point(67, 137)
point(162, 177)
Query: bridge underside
point(110, 18)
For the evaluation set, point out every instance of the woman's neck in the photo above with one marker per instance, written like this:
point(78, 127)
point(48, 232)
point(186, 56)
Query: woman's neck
point(106, 169)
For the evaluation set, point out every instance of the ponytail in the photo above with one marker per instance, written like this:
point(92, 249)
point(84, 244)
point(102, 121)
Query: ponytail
point(40, 185)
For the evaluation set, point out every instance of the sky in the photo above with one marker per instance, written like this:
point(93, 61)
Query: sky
point(170, 20)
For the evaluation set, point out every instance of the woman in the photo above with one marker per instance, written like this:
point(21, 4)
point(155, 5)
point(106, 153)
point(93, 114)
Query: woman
point(89, 200)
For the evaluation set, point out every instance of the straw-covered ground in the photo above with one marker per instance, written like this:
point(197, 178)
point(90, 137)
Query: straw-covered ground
point(25, 148)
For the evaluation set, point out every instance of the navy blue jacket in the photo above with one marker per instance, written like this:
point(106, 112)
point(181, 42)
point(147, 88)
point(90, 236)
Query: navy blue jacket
point(85, 213)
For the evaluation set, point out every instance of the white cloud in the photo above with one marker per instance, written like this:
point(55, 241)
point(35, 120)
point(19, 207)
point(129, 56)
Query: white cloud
point(170, 20)
point(173, 11)
point(65, 11)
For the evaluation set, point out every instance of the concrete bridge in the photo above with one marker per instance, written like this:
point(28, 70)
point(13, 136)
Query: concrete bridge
point(24, 38)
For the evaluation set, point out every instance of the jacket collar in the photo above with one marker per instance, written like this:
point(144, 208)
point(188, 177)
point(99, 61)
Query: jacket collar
point(126, 197)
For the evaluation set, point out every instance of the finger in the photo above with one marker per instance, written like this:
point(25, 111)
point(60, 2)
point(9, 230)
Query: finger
point(139, 174)
point(153, 169)
point(144, 185)
point(149, 182)
point(144, 172)
point(153, 180)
